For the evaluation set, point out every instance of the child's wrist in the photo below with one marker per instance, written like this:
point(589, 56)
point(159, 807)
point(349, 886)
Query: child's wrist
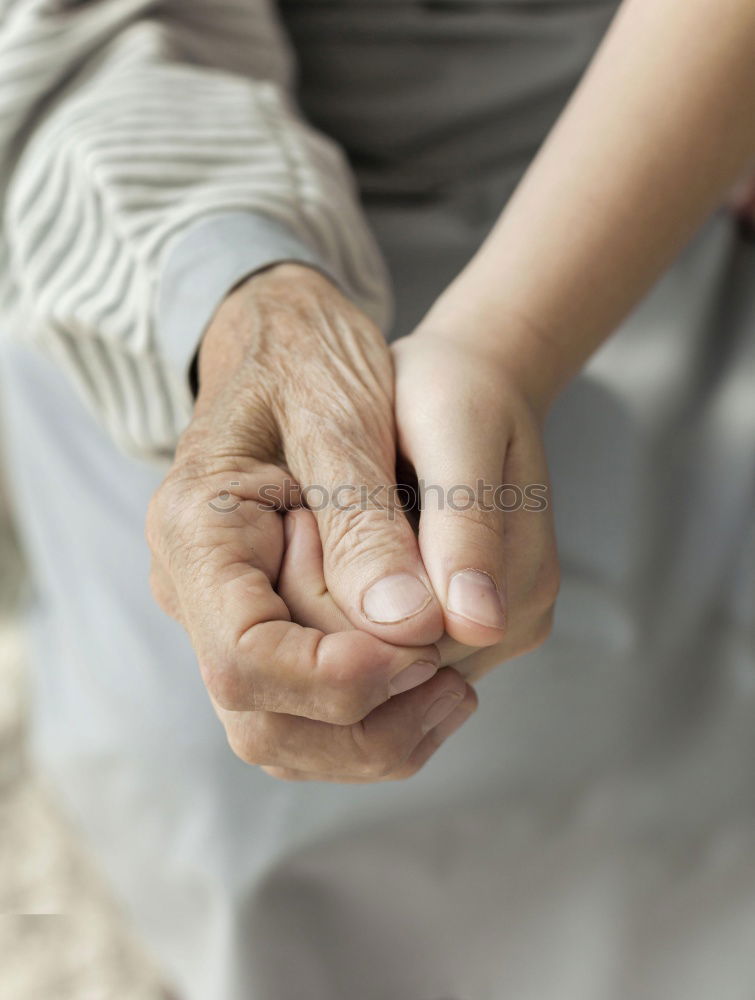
point(531, 356)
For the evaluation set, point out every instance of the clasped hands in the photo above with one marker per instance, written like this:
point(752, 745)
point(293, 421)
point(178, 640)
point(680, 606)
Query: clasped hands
point(326, 636)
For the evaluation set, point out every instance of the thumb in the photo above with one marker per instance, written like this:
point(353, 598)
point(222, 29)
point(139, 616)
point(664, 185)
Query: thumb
point(372, 565)
point(461, 529)
point(456, 437)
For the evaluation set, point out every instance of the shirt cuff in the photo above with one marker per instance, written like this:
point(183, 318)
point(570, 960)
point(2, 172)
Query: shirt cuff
point(204, 265)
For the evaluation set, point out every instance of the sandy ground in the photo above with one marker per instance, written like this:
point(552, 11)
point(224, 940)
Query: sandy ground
point(61, 937)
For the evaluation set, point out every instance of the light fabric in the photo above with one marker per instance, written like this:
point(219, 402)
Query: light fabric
point(588, 834)
point(124, 125)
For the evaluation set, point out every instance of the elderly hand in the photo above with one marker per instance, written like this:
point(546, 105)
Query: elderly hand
point(295, 383)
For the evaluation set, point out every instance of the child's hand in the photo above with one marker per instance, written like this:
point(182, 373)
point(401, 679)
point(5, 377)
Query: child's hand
point(467, 428)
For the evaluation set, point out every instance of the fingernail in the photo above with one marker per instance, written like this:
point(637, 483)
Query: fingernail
point(440, 710)
point(395, 598)
point(473, 595)
point(412, 677)
point(451, 723)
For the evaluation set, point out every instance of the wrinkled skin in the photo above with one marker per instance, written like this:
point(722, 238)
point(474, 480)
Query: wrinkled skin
point(310, 677)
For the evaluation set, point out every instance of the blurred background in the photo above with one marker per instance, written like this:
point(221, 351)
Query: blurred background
point(61, 936)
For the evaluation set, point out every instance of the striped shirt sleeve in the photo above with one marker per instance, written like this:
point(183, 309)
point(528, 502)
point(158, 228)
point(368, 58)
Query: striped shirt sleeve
point(150, 157)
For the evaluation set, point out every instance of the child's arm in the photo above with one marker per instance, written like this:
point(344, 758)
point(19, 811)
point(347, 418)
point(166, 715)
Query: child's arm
point(659, 128)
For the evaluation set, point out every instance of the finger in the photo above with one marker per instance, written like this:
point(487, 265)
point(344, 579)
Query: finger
point(519, 640)
point(372, 564)
point(414, 763)
point(301, 582)
point(386, 743)
point(461, 528)
point(532, 570)
point(224, 564)
point(530, 552)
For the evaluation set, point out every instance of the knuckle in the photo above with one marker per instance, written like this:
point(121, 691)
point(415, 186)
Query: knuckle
point(387, 762)
point(407, 769)
point(374, 759)
point(228, 687)
point(486, 525)
point(348, 535)
point(366, 530)
point(362, 760)
point(170, 518)
point(265, 738)
point(242, 742)
point(382, 770)
point(346, 706)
